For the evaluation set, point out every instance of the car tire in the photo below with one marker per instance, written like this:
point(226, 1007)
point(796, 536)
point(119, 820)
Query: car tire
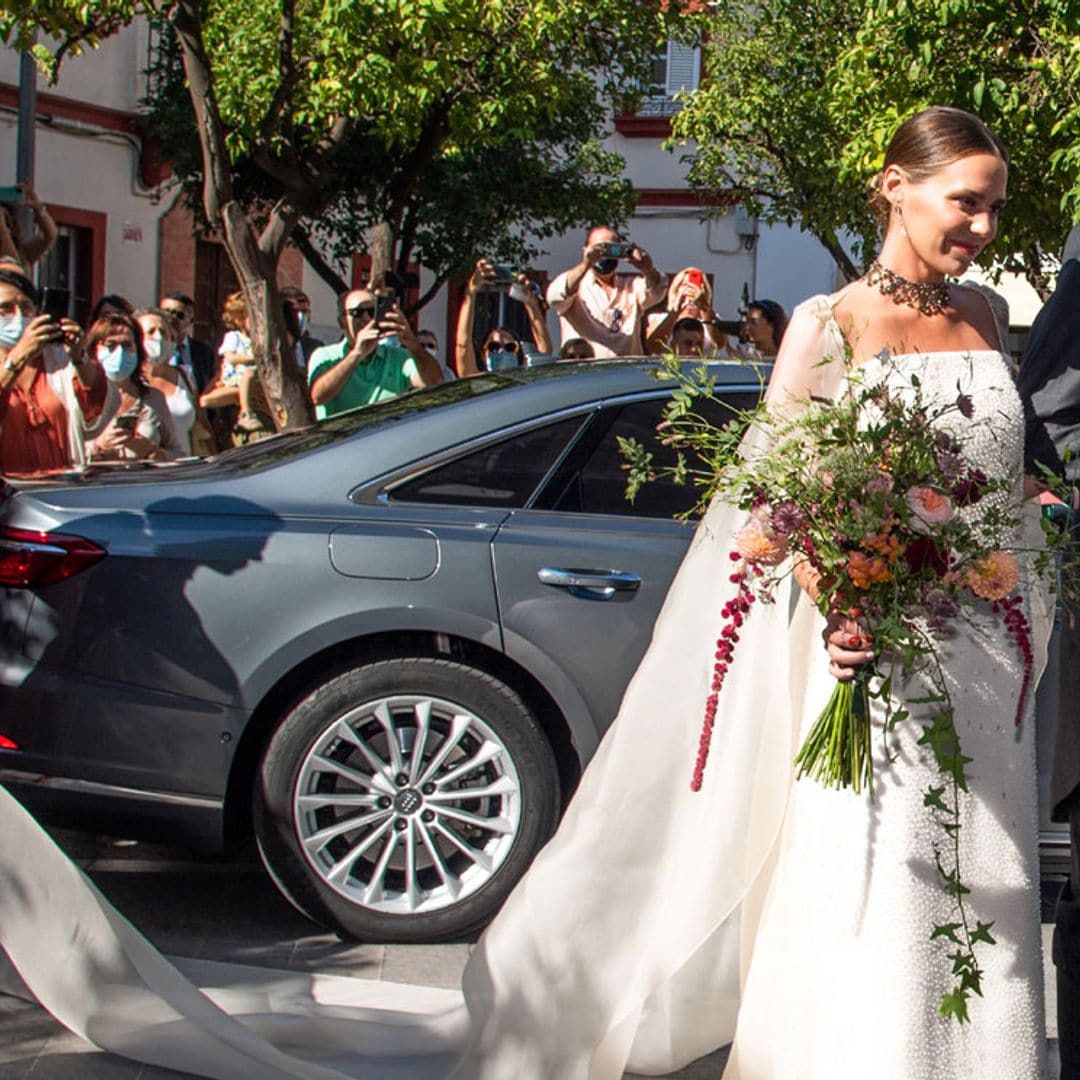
point(415, 844)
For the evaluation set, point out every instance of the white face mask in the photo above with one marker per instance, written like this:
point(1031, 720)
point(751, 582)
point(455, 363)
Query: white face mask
point(118, 363)
point(152, 346)
point(11, 329)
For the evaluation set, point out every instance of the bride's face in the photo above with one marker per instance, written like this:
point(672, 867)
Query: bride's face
point(951, 216)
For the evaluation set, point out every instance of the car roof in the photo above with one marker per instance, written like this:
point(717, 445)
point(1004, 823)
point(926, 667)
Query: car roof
point(379, 439)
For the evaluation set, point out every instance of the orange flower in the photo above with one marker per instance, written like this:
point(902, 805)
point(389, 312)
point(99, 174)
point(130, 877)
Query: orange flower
point(866, 570)
point(994, 577)
point(757, 544)
point(883, 543)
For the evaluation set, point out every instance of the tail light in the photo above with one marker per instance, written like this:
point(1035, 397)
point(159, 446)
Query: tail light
point(29, 558)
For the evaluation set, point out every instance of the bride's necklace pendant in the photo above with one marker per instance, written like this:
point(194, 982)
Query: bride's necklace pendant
point(926, 297)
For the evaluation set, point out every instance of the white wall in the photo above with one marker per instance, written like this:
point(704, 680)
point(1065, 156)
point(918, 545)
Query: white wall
point(110, 76)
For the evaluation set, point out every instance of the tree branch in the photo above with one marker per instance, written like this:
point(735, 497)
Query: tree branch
point(278, 228)
point(287, 74)
point(302, 239)
point(217, 172)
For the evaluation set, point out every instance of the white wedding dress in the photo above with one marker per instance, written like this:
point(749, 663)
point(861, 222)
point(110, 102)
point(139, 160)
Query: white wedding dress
point(659, 923)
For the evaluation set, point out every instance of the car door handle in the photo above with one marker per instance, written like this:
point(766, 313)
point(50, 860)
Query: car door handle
point(590, 584)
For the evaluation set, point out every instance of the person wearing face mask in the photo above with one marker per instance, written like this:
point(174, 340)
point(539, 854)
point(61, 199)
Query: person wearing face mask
point(174, 383)
point(141, 426)
point(594, 304)
point(296, 300)
point(501, 348)
point(50, 388)
point(364, 367)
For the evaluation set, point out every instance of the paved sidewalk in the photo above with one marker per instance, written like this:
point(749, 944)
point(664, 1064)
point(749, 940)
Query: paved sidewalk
point(203, 909)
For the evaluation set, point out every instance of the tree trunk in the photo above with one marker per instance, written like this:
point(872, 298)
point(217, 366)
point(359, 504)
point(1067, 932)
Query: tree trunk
point(840, 256)
point(317, 261)
point(382, 252)
point(284, 385)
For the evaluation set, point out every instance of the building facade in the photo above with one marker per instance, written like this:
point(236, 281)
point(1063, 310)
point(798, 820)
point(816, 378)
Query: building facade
point(123, 231)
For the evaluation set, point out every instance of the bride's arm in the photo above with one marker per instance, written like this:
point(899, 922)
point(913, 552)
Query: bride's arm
point(810, 363)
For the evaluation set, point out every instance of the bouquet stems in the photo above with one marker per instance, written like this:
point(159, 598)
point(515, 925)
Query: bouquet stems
point(836, 752)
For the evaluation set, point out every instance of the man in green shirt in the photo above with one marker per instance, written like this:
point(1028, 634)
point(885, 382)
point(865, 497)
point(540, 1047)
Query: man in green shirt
point(363, 367)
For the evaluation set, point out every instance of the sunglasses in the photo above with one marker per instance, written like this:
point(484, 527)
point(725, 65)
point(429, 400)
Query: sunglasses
point(508, 346)
point(367, 311)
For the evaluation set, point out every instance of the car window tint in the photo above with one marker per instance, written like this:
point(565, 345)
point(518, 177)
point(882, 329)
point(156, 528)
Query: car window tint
point(505, 473)
point(593, 480)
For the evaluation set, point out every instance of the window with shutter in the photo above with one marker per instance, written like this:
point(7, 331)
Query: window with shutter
point(675, 71)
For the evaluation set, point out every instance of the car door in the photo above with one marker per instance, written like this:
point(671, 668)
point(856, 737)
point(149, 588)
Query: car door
point(581, 573)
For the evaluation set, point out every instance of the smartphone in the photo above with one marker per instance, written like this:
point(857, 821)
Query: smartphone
point(382, 305)
point(55, 302)
point(619, 250)
point(695, 278)
point(126, 421)
point(11, 194)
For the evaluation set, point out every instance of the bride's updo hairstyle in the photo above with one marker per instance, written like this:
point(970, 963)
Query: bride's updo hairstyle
point(927, 142)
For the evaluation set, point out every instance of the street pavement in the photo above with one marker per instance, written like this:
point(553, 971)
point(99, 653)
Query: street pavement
point(192, 906)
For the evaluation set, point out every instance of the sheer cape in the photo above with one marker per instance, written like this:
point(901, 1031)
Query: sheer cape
point(623, 947)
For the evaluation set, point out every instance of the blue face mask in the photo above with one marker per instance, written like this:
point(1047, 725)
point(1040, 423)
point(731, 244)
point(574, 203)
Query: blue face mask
point(118, 364)
point(11, 329)
point(498, 359)
point(304, 319)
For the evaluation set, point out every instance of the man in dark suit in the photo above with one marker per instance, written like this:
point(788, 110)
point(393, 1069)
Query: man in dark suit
point(195, 357)
point(1049, 384)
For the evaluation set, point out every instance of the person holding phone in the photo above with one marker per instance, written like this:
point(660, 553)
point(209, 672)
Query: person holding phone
point(689, 298)
point(50, 389)
point(593, 303)
point(141, 425)
point(501, 347)
point(364, 367)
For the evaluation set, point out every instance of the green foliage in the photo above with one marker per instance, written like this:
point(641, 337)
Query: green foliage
point(801, 98)
point(459, 125)
point(1019, 72)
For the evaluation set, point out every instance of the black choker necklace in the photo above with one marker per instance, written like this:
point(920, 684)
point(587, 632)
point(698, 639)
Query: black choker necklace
point(926, 297)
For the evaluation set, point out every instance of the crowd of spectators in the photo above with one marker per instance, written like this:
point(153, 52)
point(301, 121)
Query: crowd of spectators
point(137, 385)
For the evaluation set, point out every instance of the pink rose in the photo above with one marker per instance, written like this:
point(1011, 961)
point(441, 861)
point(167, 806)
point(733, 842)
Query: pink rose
point(929, 506)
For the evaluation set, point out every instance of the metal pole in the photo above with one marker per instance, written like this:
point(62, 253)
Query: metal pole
point(24, 152)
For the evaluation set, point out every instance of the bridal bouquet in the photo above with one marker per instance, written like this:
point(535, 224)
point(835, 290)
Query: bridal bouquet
point(876, 497)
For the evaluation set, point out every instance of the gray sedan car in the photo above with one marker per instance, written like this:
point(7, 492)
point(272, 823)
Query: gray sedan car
point(389, 643)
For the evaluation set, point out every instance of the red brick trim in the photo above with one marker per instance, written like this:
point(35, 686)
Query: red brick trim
point(643, 127)
point(682, 197)
point(70, 109)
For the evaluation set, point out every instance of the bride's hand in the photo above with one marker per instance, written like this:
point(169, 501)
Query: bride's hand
point(806, 576)
point(848, 645)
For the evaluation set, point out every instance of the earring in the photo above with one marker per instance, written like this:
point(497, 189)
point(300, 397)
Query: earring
point(900, 216)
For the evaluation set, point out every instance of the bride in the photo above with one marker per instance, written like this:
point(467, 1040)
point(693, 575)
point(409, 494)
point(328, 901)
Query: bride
point(660, 924)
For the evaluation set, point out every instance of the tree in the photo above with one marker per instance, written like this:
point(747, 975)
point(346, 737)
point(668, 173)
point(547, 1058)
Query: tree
point(497, 193)
point(1019, 69)
point(801, 98)
point(760, 121)
point(293, 98)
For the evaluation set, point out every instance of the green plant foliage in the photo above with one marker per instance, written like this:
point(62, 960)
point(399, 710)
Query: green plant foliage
point(801, 97)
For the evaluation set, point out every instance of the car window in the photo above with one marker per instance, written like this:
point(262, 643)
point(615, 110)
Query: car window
point(593, 479)
point(504, 473)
